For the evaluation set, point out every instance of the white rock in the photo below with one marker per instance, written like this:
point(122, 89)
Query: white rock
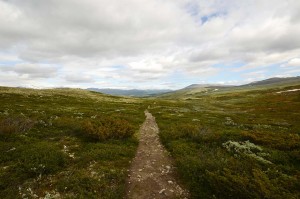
point(161, 191)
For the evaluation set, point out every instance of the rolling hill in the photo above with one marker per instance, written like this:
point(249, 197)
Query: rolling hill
point(275, 80)
point(130, 92)
point(195, 90)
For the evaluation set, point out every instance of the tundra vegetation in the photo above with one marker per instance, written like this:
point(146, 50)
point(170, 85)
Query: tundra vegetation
point(66, 143)
point(226, 143)
point(235, 143)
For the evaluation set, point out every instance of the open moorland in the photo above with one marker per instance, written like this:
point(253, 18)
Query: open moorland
point(225, 142)
point(234, 142)
point(66, 143)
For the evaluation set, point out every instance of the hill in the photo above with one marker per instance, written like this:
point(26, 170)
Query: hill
point(275, 81)
point(196, 90)
point(195, 86)
point(130, 92)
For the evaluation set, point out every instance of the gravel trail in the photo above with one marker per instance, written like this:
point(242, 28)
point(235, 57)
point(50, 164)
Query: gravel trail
point(152, 175)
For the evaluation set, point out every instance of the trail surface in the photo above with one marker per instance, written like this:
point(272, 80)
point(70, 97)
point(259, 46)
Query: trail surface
point(152, 174)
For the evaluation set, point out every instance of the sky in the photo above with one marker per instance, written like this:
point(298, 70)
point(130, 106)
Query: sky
point(147, 44)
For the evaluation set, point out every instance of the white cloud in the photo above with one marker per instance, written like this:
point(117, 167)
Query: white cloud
point(84, 42)
point(255, 75)
point(32, 70)
point(79, 78)
point(295, 62)
point(103, 28)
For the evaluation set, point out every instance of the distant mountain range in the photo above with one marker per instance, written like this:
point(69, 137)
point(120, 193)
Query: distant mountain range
point(274, 80)
point(130, 92)
point(194, 88)
point(197, 86)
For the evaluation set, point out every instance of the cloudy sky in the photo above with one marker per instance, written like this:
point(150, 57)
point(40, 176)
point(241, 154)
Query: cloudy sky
point(147, 43)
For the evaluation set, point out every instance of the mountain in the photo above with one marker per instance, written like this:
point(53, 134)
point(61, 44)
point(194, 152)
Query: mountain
point(193, 86)
point(193, 89)
point(197, 86)
point(274, 80)
point(130, 92)
point(267, 82)
point(196, 90)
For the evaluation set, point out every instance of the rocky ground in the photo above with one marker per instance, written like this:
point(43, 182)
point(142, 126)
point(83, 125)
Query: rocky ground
point(152, 175)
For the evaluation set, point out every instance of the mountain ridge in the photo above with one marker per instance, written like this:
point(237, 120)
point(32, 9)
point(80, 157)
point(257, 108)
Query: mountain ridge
point(192, 88)
point(130, 92)
point(195, 89)
point(273, 80)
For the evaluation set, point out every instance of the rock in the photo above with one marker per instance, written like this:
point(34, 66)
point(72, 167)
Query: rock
point(161, 191)
point(170, 182)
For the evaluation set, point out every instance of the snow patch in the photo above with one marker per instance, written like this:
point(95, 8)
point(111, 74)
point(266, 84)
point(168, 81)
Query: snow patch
point(293, 90)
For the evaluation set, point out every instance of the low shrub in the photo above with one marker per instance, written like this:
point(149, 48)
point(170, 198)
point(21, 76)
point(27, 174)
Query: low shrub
point(16, 124)
point(66, 123)
point(195, 133)
point(107, 128)
point(41, 158)
point(247, 149)
point(282, 141)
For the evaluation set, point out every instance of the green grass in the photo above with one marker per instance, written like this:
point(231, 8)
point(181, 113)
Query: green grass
point(66, 142)
point(197, 128)
point(71, 143)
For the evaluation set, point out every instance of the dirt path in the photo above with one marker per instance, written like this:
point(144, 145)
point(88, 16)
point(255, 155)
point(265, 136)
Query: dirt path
point(152, 174)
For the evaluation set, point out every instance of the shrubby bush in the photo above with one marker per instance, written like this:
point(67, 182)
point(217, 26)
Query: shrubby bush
point(191, 132)
point(247, 149)
point(17, 124)
point(107, 128)
point(252, 183)
point(66, 123)
point(42, 158)
point(283, 141)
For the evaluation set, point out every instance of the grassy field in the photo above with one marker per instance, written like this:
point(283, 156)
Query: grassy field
point(66, 143)
point(71, 143)
point(242, 143)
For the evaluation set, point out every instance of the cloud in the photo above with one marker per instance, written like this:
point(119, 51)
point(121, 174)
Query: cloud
point(32, 70)
point(295, 62)
point(255, 75)
point(79, 78)
point(82, 42)
point(103, 28)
